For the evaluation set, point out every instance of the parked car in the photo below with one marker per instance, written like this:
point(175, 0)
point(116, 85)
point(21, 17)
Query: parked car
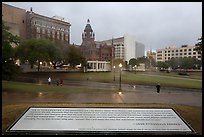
point(184, 73)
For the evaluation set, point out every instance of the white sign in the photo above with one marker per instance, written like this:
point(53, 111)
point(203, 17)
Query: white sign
point(100, 119)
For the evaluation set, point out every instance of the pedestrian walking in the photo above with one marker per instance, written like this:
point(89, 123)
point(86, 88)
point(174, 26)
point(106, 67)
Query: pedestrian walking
point(57, 82)
point(61, 81)
point(49, 81)
point(158, 87)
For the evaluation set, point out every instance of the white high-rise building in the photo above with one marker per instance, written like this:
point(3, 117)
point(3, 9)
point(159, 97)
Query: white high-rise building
point(130, 46)
point(125, 47)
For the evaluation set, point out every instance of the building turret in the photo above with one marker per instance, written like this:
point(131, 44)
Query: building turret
point(88, 34)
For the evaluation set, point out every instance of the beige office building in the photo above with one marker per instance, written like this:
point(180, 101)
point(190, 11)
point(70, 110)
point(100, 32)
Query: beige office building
point(15, 19)
point(177, 52)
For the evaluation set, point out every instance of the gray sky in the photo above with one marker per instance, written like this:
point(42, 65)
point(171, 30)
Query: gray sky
point(155, 24)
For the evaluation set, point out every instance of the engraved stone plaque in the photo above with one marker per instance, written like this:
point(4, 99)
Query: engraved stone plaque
point(57, 119)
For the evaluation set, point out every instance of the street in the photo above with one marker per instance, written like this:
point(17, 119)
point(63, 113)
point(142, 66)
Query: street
point(130, 94)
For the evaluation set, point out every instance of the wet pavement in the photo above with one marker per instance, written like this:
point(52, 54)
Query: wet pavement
point(129, 94)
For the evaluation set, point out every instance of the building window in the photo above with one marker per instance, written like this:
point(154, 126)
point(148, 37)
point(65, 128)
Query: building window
point(189, 49)
point(48, 32)
point(181, 50)
point(53, 27)
point(38, 29)
point(43, 31)
point(176, 50)
point(62, 36)
point(38, 36)
point(189, 53)
point(185, 49)
point(53, 34)
point(58, 35)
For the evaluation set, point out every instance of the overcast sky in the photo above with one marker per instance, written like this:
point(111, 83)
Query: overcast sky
point(156, 25)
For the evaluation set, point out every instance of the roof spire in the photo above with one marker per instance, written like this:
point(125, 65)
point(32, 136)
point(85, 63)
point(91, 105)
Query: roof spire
point(88, 21)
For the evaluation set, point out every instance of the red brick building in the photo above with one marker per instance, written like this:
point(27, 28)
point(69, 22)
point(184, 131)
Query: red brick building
point(28, 24)
point(90, 50)
point(106, 52)
point(55, 29)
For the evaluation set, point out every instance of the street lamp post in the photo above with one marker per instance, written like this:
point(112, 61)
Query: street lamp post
point(120, 65)
point(114, 73)
point(135, 68)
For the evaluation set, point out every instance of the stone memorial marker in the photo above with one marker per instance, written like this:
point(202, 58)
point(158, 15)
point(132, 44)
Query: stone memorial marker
point(61, 120)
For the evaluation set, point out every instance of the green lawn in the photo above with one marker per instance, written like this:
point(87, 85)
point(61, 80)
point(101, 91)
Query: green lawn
point(193, 75)
point(167, 82)
point(130, 78)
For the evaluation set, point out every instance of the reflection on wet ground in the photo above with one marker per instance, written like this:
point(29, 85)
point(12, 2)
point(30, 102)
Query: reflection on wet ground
point(130, 94)
point(188, 98)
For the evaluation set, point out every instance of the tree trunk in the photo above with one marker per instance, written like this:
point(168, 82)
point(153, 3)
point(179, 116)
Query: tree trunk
point(38, 66)
point(54, 65)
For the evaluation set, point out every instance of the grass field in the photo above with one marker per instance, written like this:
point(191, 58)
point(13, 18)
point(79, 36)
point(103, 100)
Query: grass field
point(192, 115)
point(130, 78)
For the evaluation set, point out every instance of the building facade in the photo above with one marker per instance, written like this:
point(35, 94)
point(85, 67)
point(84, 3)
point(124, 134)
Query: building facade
point(39, 26)
point(96, 66)
point(92, 50)
point(139, 49)
point(28, 24)
point(125, 47)
point(15, 19)
point(106, 53)
point(177, 52)
point(117, 45)
point(88, 46)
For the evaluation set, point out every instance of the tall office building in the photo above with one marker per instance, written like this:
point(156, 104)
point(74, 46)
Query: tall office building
point(139, 49)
